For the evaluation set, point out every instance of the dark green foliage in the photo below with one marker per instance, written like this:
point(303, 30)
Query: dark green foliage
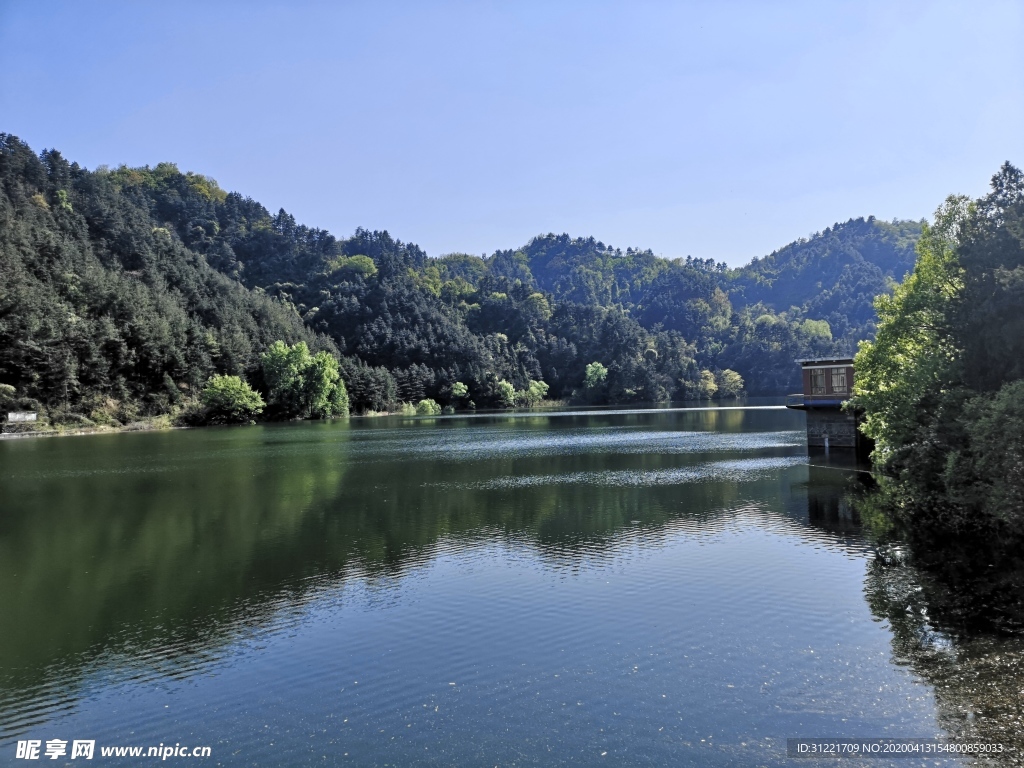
point(987, 479)
point(133, 287)
point(99, 303)
point(11, 401)
point(943, 384)
point(988, 320)
point(835, 274)
point(369, 388)
point(734, 319)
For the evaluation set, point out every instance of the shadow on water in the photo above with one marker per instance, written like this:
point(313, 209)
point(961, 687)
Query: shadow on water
point(150, 562)
point(146, 557)
point(141, 556)
point(977, 674)
point(948, 623)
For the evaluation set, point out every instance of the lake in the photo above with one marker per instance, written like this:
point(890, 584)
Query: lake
point(620, 587)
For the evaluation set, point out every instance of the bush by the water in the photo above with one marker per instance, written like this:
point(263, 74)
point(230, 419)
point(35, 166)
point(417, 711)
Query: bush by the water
point(229, 400)
point(428, 407)
point(303, 385)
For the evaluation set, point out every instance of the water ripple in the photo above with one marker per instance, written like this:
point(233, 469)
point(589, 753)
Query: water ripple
point(740, 470)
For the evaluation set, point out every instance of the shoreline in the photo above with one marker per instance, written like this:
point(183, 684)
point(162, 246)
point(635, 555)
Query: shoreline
point(162, 423)
point(99, 430)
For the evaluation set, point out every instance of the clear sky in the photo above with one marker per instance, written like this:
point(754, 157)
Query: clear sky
point(720, 130)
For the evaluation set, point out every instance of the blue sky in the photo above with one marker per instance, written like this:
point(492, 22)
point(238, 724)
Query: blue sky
point(721, 130)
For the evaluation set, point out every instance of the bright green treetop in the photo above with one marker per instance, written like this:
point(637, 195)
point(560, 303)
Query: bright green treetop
point(304, 385)
point(229, 400)
point(913, 355)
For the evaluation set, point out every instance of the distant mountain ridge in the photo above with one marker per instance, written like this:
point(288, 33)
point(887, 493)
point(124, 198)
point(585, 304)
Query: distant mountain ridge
point(122, 291)
point(836, 273)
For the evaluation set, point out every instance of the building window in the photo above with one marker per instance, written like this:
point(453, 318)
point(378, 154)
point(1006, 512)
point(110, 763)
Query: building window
point(817, 381)
point(839, 381)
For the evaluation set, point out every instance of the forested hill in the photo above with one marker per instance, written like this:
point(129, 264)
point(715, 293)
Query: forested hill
point(122, 291)
point(835, 274)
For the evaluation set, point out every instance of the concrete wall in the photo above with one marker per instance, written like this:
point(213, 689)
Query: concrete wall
point(842, 432)
point(840, 427)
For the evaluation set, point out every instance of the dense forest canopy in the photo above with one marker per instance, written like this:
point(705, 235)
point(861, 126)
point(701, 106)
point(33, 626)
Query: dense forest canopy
point(123, 292)
point(943, 383)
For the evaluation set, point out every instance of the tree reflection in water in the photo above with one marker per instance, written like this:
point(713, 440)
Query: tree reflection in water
point(150, 556)
point(977, 674)
point(959, 630)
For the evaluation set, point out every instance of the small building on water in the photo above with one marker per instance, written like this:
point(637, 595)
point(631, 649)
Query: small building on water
point(827, 385)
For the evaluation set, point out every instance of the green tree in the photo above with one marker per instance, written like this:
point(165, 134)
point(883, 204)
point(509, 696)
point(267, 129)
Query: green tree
point(339, 401)
point(505, 393)
point(428, 407)
point(229, 400)
point(914, 356)
point(816, 329)
point(534, 393)
point(158, 279)
point(941, 385)
point(303, 385)
point(283, 368)
point(595, 376)
point(354, 265)
point(728, 383)
point(705, 388)
point(324, 393)
point(8, 395)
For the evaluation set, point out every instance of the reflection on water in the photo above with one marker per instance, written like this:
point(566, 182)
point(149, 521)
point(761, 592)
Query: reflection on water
point(947, 637)
point(978, 678)
point(658, 586)
point(831, 489)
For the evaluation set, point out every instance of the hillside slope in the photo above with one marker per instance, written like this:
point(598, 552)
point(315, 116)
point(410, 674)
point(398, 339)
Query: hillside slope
point(835, 274)
point(104, 312)
point(123, 291)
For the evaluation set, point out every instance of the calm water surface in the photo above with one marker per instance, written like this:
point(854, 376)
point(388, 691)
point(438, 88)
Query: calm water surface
point(672, 587)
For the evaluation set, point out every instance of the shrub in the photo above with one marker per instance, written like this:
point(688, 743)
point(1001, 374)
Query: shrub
point(71, 419)
point(505, 393)
point(428, 407)
point(303, 385)
point(229, 400)
point(729, 383)
point(532, 395)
